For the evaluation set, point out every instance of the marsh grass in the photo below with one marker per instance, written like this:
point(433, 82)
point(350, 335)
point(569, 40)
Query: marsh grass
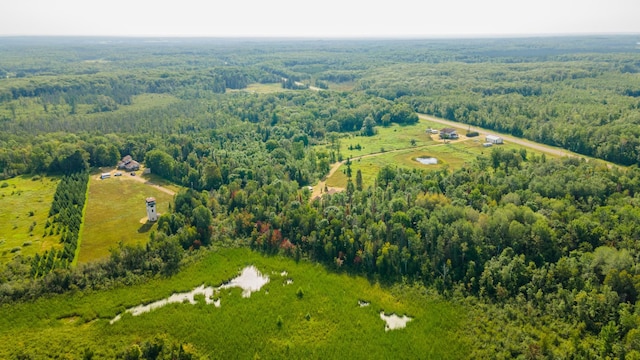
point(326, 323)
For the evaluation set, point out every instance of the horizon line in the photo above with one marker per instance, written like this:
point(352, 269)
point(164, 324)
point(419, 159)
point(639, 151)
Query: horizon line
point(326, 37)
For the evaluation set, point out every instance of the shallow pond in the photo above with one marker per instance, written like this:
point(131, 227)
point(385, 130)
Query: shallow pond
point(250, 280)
point(427, 160)
point(394, 321)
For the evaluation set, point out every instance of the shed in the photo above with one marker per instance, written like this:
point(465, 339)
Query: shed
point(494, 139)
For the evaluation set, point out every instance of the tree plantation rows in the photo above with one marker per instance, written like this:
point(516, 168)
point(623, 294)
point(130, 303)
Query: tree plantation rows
point(66, 217)
point(546, 248)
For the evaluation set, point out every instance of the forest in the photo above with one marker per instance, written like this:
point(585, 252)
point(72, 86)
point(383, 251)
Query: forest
point(547, 247)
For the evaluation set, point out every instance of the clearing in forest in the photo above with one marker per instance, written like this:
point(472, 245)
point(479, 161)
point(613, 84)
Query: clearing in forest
point(24, 208)
point(116, 212)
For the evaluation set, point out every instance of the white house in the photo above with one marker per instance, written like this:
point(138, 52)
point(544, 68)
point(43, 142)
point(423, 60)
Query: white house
point(494, 139)
point(105, 176)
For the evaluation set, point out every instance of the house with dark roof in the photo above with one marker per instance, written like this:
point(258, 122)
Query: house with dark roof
point(448, 133)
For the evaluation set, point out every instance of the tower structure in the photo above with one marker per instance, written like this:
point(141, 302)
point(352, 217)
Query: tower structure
point(152, 214)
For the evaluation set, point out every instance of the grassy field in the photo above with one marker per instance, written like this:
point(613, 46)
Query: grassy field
point(263, 88)
point(25, 201)
point(325, 322)
point(399, 151)
point(114, 212)
point(25, 108)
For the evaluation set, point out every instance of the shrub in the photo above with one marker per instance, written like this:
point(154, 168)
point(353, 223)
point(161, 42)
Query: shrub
point(15, 249)
point(4, 185)
point(300, 293)
point(279, 321)
point(472, 134)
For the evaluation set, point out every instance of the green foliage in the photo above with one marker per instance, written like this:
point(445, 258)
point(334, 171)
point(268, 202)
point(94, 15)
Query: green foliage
point(244, 327)
point(551, 242)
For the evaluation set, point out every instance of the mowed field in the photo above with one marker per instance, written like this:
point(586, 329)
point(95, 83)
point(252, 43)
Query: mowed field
point(400, 146)
point(116, 212)
point(303, 312)
point(25, 202)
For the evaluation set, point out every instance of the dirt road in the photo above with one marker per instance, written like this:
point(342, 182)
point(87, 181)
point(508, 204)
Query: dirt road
point(127, 176)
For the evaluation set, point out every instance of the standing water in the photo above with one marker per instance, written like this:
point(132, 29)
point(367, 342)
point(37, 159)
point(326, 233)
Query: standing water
point(250, 280)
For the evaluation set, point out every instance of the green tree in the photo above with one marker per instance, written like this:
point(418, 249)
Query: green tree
point(160, 163)
point(202, 220)
point(359, 180)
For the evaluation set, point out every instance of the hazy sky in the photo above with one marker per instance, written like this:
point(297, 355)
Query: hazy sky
point(324, 18)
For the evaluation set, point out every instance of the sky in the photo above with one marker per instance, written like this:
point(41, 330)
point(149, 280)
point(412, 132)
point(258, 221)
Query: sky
point(324, 18)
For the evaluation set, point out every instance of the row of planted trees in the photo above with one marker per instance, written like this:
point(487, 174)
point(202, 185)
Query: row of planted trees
point(65, 219)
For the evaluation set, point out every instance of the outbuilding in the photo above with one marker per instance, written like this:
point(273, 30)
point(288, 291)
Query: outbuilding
point(493, 139)
point(448, 133)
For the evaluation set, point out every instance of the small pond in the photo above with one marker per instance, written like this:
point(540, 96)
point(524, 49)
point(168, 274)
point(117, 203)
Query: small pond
point(427, 160)
point(250, 280)
point(394, 321)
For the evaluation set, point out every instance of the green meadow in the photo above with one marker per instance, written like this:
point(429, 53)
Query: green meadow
point(316, 316)
point(115, 213)
point(400, 153)
point(24, 208)
point(27, 108)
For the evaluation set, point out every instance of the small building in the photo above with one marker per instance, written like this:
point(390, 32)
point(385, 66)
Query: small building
point(128, 164)
point(448, 133)
point(152, 214)
point(105, 176)
point(487, 144)
point(493, 139)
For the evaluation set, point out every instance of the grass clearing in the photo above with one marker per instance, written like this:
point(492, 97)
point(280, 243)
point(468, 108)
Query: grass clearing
point(25, 201)
point(113, 214)
point(259, 88)
point(403, 144)
point(326, 322)
point(28, 108)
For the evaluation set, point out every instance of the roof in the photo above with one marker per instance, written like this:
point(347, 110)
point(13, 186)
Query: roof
point(151, 199)
point(493, 137)
point(447, 131)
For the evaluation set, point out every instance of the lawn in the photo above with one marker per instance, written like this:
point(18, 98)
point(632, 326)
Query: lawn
point(24, 208)
point(389, 138)
point(451, 155)
point(114, 213)
point(317, 316)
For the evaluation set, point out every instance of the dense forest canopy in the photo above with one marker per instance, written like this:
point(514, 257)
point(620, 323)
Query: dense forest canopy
point(553, 242)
